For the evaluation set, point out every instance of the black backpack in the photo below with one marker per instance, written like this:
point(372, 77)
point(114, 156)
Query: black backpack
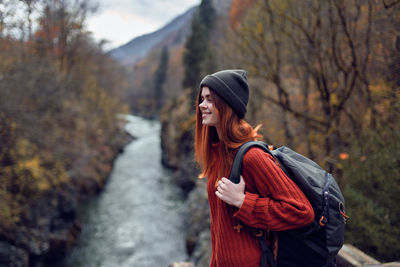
point(317, 244)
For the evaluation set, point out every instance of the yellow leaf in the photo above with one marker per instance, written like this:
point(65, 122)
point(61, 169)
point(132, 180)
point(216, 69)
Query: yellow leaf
point(43, 185)
point(33, 165)
point(379, 89)
point(334, 100)
point(260, 28)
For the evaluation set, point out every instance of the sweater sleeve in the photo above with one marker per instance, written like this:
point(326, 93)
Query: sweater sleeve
point(272, 200)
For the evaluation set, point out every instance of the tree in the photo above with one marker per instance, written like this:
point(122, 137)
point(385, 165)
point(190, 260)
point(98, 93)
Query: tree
point(59, 98)
point(61, 29)
point(160, 77)
point(326, 49)
point(370, 183)
point(207, 14)
point(194, 55)
point(198, 57)
point(330, 67)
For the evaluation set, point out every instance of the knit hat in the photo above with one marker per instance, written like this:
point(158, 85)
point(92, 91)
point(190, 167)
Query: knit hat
point(232, 86)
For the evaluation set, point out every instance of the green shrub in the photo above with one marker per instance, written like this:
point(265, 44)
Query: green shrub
point(371, 186)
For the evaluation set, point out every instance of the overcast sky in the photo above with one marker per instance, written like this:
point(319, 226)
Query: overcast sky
point(119, 21)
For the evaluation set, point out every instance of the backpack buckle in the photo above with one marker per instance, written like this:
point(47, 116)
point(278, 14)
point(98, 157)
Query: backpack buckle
point(323, 221)
point(257, 232)
point(342, 212)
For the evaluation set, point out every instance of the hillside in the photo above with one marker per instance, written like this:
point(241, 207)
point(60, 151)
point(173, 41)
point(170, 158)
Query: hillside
point(138, 48)
point(141, 57)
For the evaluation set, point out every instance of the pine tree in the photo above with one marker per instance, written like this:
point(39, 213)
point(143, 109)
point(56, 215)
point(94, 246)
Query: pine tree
point(160, 77)
point(207, 14)
point(198, 57)
point(194, 55)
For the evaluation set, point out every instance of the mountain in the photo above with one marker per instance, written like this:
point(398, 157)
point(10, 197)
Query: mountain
point(141, 56)
point(138, 48)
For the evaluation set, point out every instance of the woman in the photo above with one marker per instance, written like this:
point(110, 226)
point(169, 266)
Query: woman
point(265, 197)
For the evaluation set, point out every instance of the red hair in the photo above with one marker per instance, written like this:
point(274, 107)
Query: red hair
point(233, 133)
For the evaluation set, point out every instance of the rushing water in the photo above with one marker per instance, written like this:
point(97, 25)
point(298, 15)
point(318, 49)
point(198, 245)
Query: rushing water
point(137, 219)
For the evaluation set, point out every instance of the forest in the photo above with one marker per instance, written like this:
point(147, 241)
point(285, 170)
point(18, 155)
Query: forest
point(325, 80)
point(59, 99)
point(324, 76)
point(331, 69)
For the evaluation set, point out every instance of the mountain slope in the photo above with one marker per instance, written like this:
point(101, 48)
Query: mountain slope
point(138, 48)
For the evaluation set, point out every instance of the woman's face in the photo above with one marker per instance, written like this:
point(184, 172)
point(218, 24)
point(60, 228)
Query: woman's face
point(208, 112)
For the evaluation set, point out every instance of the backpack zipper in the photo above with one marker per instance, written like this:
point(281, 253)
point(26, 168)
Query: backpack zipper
point(324, 220)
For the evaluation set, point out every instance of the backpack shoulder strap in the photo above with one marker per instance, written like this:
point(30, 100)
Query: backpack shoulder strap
point(267, 257)
point(237, 165)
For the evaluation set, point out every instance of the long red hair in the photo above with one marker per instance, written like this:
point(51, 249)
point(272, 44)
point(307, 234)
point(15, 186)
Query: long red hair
point(233, 131)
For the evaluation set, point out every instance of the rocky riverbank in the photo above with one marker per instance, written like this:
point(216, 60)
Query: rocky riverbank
point(177, 153)
point(47, 226)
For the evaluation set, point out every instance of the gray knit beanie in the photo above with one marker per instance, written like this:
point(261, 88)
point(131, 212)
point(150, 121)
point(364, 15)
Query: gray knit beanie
point(231, 86)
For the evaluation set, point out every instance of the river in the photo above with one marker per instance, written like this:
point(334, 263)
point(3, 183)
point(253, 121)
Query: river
point(137, 219)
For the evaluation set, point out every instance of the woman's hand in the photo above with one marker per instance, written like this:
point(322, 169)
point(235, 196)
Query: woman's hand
point(231, 193)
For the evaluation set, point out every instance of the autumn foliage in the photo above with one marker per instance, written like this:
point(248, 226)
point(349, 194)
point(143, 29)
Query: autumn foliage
point(325, 80)
point(59, 97)
point(238, 9)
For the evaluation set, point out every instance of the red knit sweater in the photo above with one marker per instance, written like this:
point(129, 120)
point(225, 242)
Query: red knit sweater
point(272, 201)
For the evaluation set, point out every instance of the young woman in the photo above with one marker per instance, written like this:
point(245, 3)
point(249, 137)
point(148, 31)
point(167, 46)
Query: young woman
point(265, 197)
